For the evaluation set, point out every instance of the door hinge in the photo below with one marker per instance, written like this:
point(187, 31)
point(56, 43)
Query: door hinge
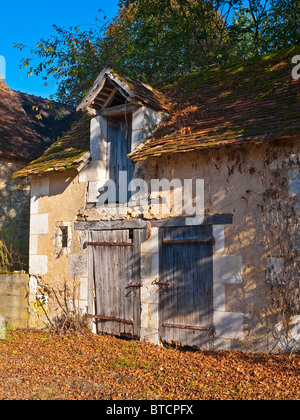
point(109, 318)
point(109, 244)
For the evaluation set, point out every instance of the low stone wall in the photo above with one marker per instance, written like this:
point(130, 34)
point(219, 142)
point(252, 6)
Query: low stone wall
point(14, 299)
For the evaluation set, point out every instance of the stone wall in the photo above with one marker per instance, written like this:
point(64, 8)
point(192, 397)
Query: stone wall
point(14, 299)
point(14, 210)
point(55, 262)
point(259, 186)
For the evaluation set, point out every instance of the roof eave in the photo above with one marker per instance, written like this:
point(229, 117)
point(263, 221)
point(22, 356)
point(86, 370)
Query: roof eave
point(85, 105)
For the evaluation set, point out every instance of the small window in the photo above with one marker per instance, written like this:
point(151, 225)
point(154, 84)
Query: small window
point(63, 237)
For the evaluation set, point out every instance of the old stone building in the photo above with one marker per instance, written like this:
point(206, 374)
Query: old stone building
point(175, 214)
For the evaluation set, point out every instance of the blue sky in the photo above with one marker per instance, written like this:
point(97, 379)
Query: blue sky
point(28, 21)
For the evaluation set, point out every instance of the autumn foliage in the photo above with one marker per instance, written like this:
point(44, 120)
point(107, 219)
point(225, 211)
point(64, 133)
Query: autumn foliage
point(41, 365)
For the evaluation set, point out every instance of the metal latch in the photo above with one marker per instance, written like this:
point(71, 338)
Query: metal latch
point(135, 285)
point(162, 284)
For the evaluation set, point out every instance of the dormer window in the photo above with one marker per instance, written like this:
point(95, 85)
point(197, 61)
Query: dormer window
point(124, 114)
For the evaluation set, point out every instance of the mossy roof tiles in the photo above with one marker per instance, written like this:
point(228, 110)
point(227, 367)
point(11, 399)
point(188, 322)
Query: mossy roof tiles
point(254, 101)
point(68, 152)
point(18, 139)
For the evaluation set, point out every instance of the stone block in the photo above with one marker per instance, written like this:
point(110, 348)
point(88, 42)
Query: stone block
point(149, 335)
point(155, 266)
point(39, 224)
point(78, 266)
point(38, 265)
point(17, 304)
point(295, 332)
point(219, 235)
point(40, 187)
point(294, 182)
point(229, 325)
point(152, 119)
point(138, 137)
point(33, 285)
point(82, 306)
point(149, 291)
point(275, 271)
point(151, 246)
point(98, 139)
point(146, 260)
point(19, 291)
point(94, 171)
point(221, 344)
point(138, 119)
point(147, 119)
point(219, 297)
point(95, 128)
point(2, 328)
point(84, 288)
point(34, 205)
point(144, 315)
point(99, 148)
point(33, 245)
point(153, 316)
point(228, 269)
point(297, 242)
point(93, 192)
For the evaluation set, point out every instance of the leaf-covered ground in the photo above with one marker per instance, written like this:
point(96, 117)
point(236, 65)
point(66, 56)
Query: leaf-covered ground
point(40, 365)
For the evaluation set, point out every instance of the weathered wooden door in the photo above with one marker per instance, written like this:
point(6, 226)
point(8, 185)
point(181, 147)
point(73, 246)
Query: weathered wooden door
point(186, 286)
point(119, 137)
point(114, 265)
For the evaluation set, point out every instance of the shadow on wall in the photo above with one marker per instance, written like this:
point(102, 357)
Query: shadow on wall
point(258, 191)
point(14, 219)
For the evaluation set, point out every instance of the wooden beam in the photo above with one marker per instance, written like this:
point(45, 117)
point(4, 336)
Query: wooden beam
point(101, 96)
point(92, 93)
point(108, 319)
point(122, 87)
point(110, 98)
point(188, 241)
point(118, 110)
point(120, 244)
point(112, 225)
point(216, 219)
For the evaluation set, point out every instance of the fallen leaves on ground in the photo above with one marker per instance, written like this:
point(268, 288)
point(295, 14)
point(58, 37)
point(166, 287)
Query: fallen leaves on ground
point(36, 364)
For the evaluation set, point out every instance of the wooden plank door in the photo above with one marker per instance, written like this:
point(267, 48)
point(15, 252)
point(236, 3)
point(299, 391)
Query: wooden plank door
point(115, 270)
point(186, 286)
point(119, 137)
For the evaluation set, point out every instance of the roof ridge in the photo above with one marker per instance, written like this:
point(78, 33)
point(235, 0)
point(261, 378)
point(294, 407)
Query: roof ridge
point(45, 99)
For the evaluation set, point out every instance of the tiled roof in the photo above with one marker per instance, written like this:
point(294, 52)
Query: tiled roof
point(69, 152)
point(18, 139)
point(252, 102)
point(255, 101)
point(56, 118)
